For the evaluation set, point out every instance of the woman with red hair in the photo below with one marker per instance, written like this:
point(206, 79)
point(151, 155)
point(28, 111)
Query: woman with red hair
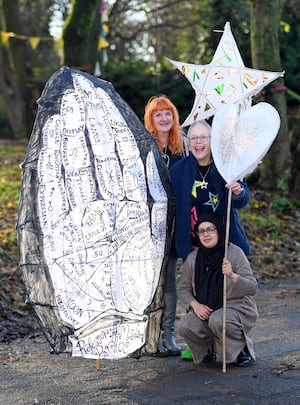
point(162, 120)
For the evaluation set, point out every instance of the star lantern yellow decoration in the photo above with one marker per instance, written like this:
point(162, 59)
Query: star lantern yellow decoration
point(225, 80)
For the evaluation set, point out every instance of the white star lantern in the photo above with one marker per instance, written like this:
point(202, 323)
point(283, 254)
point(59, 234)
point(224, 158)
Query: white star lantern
point(225, 80)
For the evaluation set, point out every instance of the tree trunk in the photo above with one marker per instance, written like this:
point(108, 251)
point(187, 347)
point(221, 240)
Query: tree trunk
point(14, 103)
point(17, 83)
point(295, 148)
point(264, 25)
point(81, 35)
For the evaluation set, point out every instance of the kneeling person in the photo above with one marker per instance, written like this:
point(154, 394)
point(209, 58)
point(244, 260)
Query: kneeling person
point(201, 290)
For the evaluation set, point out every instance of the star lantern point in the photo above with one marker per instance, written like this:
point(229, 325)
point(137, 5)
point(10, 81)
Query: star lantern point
point(225, 80)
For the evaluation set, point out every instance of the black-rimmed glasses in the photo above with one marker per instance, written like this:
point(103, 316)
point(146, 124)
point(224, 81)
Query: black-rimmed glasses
point(209, 230)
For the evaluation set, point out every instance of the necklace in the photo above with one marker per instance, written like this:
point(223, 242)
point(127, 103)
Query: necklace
point(203, 184)
point(165, 156)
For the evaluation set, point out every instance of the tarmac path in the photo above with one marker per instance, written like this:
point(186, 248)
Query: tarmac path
point(30, 375)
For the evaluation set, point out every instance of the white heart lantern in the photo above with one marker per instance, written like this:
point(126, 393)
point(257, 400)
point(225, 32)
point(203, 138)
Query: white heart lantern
point(240, 141)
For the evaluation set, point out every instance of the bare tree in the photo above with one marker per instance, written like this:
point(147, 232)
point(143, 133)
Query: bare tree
point(264, 22)
point(16, 82)
point(19, 63)
point(81, 35)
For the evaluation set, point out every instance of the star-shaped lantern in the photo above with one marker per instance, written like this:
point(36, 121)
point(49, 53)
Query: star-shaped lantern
point(225, 80)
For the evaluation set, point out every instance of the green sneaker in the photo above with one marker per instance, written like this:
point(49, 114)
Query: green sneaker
point(186, 354)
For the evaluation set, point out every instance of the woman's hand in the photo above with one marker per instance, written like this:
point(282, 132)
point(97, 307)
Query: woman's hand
point(202, 311)
point(235, 187)
point(227, 270)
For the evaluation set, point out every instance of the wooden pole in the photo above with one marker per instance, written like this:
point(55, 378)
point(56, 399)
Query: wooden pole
point(224, 285)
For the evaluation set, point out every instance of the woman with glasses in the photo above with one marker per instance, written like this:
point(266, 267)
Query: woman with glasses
point(199, 187)
point(162, 120)
point(201, 290)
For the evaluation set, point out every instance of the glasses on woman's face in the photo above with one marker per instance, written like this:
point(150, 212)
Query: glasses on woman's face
point(201, 138)
point(209, 230)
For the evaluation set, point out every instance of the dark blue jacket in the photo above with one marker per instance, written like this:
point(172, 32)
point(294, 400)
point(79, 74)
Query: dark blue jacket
point(183, 174)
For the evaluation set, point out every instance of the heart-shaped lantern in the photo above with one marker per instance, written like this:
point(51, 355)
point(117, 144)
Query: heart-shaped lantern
point(240, 140)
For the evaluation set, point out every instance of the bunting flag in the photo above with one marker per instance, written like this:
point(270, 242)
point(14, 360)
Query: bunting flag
point(103, 43)
point(33, 40)
point(5, 36)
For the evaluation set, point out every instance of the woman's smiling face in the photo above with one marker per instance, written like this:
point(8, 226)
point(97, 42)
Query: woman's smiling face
point(163, 120)
point(208, 234)
point(199, 144)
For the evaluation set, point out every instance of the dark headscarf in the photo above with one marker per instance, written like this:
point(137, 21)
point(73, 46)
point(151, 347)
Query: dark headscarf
point(208, 270)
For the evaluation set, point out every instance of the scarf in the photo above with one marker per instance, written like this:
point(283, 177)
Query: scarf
point(208, 268)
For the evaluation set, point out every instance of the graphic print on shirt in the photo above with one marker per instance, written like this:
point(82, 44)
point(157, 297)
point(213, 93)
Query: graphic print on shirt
point(197, 184)
point(198, 207)
point(203, 199)
point(213, 201)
